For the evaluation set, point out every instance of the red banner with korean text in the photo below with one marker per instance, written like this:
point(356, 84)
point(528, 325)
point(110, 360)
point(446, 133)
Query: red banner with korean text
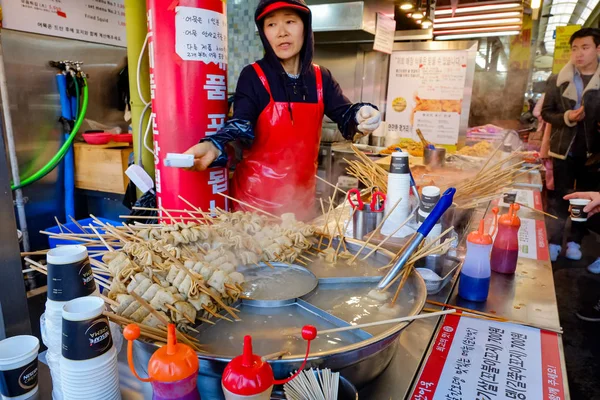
point(188, 80)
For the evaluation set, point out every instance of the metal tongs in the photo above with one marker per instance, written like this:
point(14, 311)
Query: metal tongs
point(413, 243)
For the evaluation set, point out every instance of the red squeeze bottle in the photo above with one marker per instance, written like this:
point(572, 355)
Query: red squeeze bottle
point(505, 251)
point(248, 377)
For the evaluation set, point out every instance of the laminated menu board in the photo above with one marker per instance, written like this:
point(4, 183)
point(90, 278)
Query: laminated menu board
point(426, 91)
point(98, 21)
point(484, 360)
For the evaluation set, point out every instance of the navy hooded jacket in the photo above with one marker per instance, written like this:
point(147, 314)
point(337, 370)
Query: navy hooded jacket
point(251, 98)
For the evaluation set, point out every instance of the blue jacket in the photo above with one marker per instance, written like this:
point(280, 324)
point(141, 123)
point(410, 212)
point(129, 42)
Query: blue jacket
point(251, 97)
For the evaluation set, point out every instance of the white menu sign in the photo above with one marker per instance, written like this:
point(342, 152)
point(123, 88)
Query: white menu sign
point(384, 34)
point(486, 360)
point(99, 21)
point(425, 91)
point(201, 35)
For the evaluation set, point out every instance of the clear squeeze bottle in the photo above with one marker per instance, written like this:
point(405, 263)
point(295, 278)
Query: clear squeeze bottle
point(474, 284)
point(505, 251)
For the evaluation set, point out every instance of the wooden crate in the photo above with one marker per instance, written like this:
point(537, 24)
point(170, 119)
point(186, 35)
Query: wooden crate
point(101, 167)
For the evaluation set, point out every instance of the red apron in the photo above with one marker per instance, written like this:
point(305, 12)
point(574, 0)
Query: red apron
point(277, 174)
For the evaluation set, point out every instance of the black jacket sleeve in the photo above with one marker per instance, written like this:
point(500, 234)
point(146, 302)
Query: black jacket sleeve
point(247, 106)
point(553, 110)
point(338, 107)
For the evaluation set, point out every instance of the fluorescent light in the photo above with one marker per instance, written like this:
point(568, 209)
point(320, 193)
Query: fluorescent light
point(536, 4)
point(418, 21)
point(407, 5)
point(417, 14)
point(470, 30)
point(476, 35)
point(485, 7)
point(479, 16)
point(478, 23)
point(426, 23)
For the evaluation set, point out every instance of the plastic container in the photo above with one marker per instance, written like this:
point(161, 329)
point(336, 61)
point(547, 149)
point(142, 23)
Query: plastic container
point(71, 226)
point(576, 209)
point(172, 370)
point(474, 284)
point(505, 251)
point(19, 367)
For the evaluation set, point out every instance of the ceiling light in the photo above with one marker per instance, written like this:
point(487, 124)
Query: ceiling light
point(417, 14)
point(477, 8)
point(536, 4)
point(407, 5)
point(473, 30)
point(479, 16)
point(477, 35)
point(485, 22)
point(426, 23)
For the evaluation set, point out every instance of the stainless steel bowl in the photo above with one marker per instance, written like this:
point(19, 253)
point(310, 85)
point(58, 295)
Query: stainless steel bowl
point(359, 362)
point(434, 157)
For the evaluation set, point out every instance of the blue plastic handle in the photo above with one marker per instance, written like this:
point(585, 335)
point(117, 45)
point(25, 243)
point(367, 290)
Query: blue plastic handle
point(440, 208)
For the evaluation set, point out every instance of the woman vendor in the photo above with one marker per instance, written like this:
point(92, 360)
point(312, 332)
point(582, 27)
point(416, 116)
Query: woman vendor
point(279, 105)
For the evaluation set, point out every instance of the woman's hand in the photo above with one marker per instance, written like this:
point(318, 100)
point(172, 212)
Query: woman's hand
point(368, 119)
point(204, 155)
point(593, 207)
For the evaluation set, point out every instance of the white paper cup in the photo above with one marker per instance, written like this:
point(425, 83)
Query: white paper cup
point(92, 391)
point(69, 273)
point(576, 209)
point(75, 369)
point(19, 367)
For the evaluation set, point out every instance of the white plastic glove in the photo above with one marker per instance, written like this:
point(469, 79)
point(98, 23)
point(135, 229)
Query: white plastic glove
point(368, 119)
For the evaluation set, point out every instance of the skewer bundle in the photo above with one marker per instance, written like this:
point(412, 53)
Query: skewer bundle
point(367, 171)
point(313, 385)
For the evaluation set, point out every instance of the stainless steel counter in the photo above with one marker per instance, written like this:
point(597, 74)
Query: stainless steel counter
point(527, 296)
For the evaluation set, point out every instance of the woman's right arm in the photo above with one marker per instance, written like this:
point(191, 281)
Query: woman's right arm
point(247, 106)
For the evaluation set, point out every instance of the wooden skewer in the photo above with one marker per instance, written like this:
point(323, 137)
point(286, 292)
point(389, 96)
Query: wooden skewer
point(435, 303)
point(275, 355)
point(250, 206)
point(412, 214)
point(269, 264)
point(148, 307)
point(169, 210)
point(157, 217)
point(330, 184)
point(386, 322)
point(337, 224)
point(109, 301)
point(187, 317)
point(208, 321)
point(77, 224)
point(325, 225)
point(214, 314)
point(407, 271)
point(343, 234)
point(373, 233)
point(538, 211)
point(101, 238)
point(36, 268)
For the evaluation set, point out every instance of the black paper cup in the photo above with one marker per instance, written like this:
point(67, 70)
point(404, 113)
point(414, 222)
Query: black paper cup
point(576, 209)
point(69, 273)
point(19, 367)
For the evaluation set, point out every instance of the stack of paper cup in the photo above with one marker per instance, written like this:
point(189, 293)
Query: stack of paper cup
point(398, 191)
point(89, 360)
point(19, 367)
point(69, 277)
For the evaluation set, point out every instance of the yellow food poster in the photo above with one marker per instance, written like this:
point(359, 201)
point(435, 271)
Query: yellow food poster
point(562, 49)
point(425, 91)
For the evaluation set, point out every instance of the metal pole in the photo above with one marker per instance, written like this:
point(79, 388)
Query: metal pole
point(14, 315)
point(12, 152)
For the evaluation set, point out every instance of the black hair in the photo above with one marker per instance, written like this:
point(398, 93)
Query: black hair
point(594, 33)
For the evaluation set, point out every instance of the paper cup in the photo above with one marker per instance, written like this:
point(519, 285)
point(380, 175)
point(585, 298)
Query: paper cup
point(19, 367)
point(90, 391)
point(72, 370)
point(576, 209)
point(69, 273)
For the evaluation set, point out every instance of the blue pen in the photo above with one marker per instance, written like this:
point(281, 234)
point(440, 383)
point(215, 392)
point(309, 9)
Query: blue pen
point(440, 208)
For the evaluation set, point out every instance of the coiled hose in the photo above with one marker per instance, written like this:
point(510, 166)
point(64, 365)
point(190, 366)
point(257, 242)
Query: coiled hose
point(58, 157)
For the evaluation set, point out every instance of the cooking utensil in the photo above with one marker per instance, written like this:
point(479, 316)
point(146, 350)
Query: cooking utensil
point(440, 208)
point(377, 201)
point(435, 157)
point(426, 144)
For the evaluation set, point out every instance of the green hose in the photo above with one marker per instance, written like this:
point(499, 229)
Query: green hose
point(46, 169)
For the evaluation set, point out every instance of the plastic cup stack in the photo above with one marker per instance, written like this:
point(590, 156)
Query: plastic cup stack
point(69, 277)
point(398, 188)
point(89, 359)
point(19, 367)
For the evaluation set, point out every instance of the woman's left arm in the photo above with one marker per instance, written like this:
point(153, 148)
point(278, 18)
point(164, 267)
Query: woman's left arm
point(352, 119)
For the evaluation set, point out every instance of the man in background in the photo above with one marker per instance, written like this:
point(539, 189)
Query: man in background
point(572, 107)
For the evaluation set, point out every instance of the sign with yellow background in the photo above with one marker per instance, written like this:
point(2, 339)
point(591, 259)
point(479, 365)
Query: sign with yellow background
point(562, 49)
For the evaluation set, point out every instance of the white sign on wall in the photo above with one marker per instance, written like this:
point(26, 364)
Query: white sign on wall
point(201, 35)
point(99, 21)
point(425, 91)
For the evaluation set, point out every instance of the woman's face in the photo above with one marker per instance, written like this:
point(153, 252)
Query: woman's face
point(284, 30)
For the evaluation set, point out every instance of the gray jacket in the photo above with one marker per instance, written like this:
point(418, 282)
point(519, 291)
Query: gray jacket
point(561, 97)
